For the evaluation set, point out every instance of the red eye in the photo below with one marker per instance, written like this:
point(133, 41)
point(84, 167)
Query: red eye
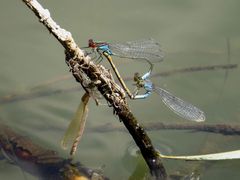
point(25, 155)
point(91, 43)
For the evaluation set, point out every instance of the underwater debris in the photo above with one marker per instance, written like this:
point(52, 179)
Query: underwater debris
point(41, 162)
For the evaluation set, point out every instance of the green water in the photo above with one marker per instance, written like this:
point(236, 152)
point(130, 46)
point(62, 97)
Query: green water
point(191, 33)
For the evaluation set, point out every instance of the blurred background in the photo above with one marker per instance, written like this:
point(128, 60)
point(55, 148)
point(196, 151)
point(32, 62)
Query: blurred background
point(191, 33)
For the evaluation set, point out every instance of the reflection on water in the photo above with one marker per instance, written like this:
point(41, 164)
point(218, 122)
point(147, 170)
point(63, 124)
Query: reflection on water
point(192, 33)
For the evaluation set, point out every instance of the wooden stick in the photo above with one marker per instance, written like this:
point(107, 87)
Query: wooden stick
point(79, 63)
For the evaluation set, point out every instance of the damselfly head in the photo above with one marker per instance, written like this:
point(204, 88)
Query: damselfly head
point(91, 43)
point(138, 79)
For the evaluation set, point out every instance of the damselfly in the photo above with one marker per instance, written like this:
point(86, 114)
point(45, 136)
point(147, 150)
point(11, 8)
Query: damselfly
point(147, 49)
point(177, 105)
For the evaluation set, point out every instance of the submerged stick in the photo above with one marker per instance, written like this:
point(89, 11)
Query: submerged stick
point(79, 63)
point(39, 161)
point(224, 129)
point(197, 69)
point(33, 92)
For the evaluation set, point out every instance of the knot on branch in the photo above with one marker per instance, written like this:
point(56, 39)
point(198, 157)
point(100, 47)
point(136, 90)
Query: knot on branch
point(82, 68)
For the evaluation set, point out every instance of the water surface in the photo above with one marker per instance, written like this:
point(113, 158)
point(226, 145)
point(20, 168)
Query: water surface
point(192, 33)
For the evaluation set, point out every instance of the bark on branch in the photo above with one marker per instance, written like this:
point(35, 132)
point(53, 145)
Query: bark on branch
point(79, 63)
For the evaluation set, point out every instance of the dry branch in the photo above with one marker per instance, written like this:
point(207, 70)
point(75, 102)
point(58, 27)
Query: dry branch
point(79, 63)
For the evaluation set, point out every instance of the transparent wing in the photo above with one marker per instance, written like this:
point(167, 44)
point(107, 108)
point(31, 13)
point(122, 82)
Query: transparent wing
point(77, 125)
point(147, 49)
point(180, 107)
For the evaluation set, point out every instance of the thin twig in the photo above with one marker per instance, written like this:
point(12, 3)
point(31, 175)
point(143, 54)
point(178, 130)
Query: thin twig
point(197, 69)
point(34, 91)
point(224, 129)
